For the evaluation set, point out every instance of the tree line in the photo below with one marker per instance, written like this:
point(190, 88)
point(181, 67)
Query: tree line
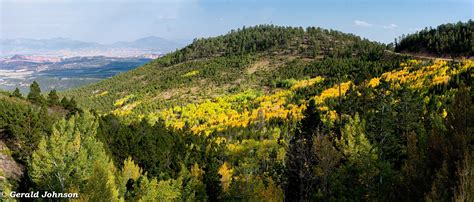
point(452, 39)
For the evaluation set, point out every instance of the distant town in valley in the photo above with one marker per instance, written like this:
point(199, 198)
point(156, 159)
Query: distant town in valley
point(61, 63)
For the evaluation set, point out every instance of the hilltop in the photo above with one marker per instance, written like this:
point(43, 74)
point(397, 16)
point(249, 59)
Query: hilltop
point(447, 40)
point(258, 58)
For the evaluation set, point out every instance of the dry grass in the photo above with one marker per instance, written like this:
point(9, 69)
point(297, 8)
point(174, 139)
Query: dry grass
point(259, 65)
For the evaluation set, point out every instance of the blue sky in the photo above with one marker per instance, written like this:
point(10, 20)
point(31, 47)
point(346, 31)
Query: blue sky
point(108, 21)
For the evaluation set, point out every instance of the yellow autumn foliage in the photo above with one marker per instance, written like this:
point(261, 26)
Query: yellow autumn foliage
point(425, 76)
point(234, 110)
point(131, 170)
point(306, 83)
point(102, 94)
point(123, 100)
point(334, 92)
point(374, 82)
point(191, 73)
point(226, 173)
point(126, 109)
point(196, 171)
point(255, 108)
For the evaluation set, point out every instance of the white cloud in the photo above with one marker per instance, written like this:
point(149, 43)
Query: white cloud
point(390, 26)
point(361, 23)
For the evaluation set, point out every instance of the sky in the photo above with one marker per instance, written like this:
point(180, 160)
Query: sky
point(108, 21)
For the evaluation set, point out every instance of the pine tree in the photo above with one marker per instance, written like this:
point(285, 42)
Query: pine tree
point(328, 158)
point(212, 178)
point(301, 160)
point(53, 98)
point(35, 94)
point(17, 93)
point(65, 102)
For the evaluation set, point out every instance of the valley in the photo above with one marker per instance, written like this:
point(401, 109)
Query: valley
point(62, 73)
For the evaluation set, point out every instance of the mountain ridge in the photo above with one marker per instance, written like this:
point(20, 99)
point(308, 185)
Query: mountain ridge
point(65, 46)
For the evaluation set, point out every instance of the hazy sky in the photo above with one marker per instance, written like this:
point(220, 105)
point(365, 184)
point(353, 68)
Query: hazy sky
point(108, 21)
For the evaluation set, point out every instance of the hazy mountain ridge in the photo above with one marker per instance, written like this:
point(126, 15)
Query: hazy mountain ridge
point(70, 47)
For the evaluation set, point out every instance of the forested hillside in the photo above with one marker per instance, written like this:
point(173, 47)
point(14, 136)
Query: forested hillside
point(448, 40)
point(264, 113)
point(249, 58)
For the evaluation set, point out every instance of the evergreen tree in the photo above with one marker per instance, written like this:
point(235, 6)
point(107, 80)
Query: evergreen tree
point(328, 157)
point(35, 95)
point(65, 102)
point(452, 39)
point(212, 178)
point(53, 98)
point(301, 160)
point(16, 93)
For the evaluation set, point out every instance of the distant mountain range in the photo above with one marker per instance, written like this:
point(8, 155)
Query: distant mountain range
point(61, 73)
point(70, 48)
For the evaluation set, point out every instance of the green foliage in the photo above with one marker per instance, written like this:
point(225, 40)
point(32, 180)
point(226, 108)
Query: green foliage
point(156, 149)
point(454, 39)
point(310, 42)
point(161, 191)
point(53, 98)
point(328, 158)
point(301, 160)
point(265, 113)
point(70, 106)
point(66, 159)
point(35, 95)
point(135, 186)
point(230, 63)
point(16, 93)
point(193, 187)
point(354, 144)
point(100, 186)
point(23, 126)
point(5, 186)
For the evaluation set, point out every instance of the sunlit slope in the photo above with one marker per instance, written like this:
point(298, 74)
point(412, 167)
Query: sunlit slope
point(254, 108)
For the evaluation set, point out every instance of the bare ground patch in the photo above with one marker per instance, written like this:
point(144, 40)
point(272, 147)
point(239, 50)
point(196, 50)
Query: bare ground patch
point(11, 169)
point(259, 65)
